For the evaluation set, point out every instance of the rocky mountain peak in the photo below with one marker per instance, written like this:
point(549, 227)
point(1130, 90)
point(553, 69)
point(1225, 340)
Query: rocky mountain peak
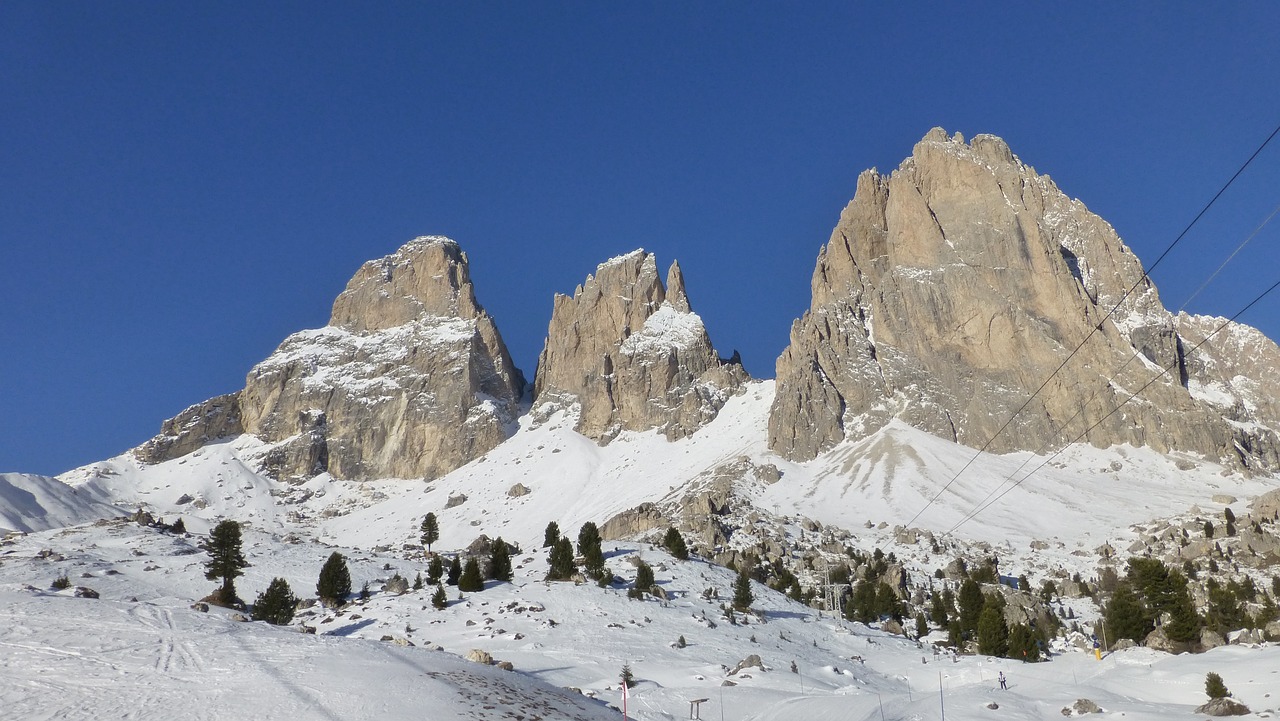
point(954, 286)
point(410, 379)
point(428, 276)
point(632, 355)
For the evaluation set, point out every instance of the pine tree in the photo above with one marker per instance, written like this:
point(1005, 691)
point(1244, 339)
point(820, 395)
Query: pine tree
point(742, 597)
point(938, 611)
point(417, 582)
point(922, 625)
point(993, 634)
point(439, 599)
point(1022, 644)
point(430, 530)
point(626, 677)
point(364, 591)
point(551, 535)
point(862, 603)
point(276, 604)
point(471, 579)
point(455, 572)
point(500, 561)
point(887, 603)
point(435, 569)
point(178, 526)
point(561, 561)
point(971, 602)
point(226, 562)
point(1214, 687)
point(674, 543)
point(334, 584)
point(795, 592)
point(644, 577)
point(1125, 617)
point(590, 549)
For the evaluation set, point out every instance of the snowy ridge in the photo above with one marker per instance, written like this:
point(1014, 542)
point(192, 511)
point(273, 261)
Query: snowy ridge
point(359, 363)
point(36, 503)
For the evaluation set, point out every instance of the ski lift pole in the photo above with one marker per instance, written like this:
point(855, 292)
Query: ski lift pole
point(942, 701)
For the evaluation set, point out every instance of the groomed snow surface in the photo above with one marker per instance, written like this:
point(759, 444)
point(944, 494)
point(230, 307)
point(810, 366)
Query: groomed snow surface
point(140, 650)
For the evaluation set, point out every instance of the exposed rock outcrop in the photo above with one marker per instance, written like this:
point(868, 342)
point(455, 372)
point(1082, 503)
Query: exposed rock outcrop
point(632, 355)
point(410, 379)
point(194, 428)
point(952, 288)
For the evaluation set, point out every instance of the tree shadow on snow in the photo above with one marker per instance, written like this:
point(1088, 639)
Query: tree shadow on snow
point(350, 628)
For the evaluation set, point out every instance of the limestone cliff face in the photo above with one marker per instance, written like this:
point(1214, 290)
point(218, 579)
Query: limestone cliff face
point(410, 379)
point(953, 287)
point(632, 355)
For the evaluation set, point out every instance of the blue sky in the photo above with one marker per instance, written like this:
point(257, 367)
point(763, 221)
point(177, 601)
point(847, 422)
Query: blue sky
point(182, 185)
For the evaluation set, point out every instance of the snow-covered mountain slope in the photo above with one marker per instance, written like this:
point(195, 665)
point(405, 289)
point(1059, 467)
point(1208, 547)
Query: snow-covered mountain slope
point(139, 651)
point(36, 503)
point(1081, 496)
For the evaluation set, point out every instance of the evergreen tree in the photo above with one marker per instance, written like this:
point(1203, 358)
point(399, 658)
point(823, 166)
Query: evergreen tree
point(1164, 590)
point(276, 604)
point(742, 597)
point(674, 543)
point(887, 603)
point(364, 591)
point(922, 625)
point(644, 577)
point(561, 561)
point(1023, 644)
point(455, 572)
point(1124, 615)
point(439, 599)
point(626, 677)
point(993, 634)
point(551, 535)
point(971, 602)
point(955, 635)
point(471, 579)
point(430, 530)
point(938, 611)
point(1223, 613)
point(588, 536)
point(1214, 687)
point(435, 569)
point(178, 526)
point(500, 561)
point(861, 606)
point(589, 547)
point(1024, 584)
point(1047, 591)
point(226, 562)
point(335, 581)
point(417, 581)
point(795, 592)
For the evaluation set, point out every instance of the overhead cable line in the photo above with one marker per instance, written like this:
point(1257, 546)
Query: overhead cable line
point(1145, 276)
point(1107, 384)
point(1113, 411)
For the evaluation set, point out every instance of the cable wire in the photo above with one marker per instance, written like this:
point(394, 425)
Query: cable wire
point(973, 514)
point(1092, 331)
point(1107, 384)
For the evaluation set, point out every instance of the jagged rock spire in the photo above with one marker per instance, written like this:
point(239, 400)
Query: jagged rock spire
point(632, 355)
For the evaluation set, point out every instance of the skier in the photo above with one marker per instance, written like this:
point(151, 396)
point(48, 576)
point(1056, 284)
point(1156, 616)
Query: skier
point(1004, 683)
